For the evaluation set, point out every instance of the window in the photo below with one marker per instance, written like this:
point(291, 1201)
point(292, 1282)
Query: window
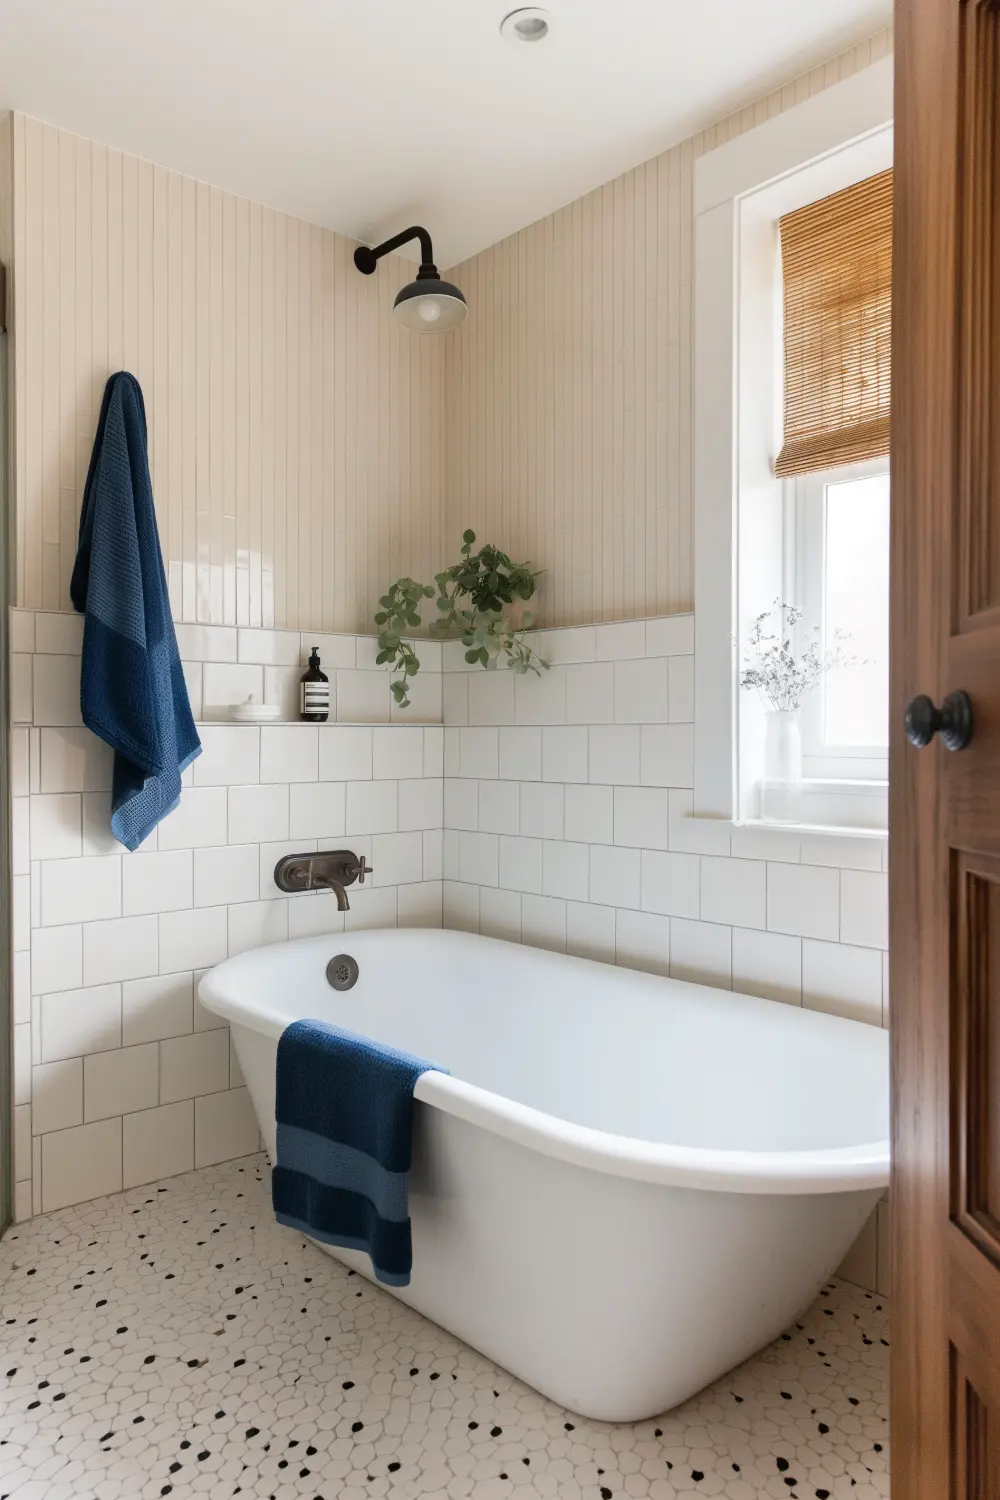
point(825, 546)
point(836, 300)
point(840, 522)
point(753, 525)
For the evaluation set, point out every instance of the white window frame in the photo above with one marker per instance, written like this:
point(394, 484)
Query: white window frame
point(805, 582)
point(826, 143)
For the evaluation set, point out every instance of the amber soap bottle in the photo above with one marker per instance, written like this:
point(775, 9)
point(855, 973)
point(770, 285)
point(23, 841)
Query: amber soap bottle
point(314, 692)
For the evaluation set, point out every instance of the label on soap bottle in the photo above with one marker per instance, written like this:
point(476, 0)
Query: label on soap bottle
point(315, 699)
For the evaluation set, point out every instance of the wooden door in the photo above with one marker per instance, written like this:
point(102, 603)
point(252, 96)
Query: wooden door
point(945, 805)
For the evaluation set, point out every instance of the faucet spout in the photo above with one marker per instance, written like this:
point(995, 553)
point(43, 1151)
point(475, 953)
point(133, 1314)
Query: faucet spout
point(327, 882)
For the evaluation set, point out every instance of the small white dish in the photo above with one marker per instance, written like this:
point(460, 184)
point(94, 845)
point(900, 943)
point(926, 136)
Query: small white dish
point(255, 712)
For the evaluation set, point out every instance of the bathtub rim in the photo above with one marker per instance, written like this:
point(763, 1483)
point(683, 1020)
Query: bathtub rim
point(838, 1169)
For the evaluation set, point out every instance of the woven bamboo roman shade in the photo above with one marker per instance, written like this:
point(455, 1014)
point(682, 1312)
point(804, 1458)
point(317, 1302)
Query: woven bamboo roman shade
point(837, 268)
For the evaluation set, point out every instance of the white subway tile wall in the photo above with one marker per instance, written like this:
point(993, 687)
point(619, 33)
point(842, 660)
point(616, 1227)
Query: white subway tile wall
point(554, 811)
point(599, 814)
point(120, 1076)
point(573, 830)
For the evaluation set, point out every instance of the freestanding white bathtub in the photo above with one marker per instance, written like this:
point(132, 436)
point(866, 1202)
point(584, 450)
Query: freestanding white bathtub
point(628, 1184)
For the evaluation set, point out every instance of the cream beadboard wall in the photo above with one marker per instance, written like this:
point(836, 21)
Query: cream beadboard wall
point(569, 386)
point(296, 433)
point(5, 187)
point(304, 449)
point(7, 257)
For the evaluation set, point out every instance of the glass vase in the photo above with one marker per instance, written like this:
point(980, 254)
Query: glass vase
point(781, 794)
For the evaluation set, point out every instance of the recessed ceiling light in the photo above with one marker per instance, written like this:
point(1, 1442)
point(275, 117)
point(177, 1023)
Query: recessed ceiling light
point(527, 25)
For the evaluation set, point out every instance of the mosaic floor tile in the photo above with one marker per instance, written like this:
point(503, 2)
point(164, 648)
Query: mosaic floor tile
point(174, 1341)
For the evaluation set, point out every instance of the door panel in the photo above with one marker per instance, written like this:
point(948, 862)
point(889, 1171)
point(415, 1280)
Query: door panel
point(975, 1046)
point(978, 223)
point(973, 1440)
point(945, 806)
point(972, 777)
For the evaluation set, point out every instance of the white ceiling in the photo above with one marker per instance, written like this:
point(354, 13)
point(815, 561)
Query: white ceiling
point(367, 115)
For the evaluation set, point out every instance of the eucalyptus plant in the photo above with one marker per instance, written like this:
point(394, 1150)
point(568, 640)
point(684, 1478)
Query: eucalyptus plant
point(471, 598)
point(399, 613)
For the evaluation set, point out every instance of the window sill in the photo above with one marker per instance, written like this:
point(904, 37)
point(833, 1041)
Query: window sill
point(752, 838)
point(855, 807)
point(832, 830)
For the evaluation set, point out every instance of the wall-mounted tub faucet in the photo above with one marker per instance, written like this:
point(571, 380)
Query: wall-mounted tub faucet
point(322, 872)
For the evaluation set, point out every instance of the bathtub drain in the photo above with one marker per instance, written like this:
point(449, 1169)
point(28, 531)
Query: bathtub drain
point(342, 972)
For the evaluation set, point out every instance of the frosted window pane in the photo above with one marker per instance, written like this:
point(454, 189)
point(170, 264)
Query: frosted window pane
point(856, 600)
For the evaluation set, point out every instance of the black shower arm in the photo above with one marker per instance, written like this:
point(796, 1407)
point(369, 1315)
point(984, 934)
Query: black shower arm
point(367, 258)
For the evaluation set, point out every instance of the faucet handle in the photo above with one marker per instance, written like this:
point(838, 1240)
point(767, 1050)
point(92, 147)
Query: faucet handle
point(363, 869)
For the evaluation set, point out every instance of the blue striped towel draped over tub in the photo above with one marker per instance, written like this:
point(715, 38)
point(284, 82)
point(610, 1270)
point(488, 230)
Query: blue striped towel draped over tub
point(344, 1114)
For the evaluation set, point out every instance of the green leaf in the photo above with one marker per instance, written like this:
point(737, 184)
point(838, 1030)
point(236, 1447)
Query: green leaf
point(428, 591)
point(472, 656)
point(413, 620)
point(468, 536)
point(381, 617)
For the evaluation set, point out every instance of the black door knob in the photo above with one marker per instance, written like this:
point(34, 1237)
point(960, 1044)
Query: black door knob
point(952, 721)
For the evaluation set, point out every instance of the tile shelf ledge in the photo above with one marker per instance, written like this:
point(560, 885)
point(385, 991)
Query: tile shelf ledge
point(329, 724)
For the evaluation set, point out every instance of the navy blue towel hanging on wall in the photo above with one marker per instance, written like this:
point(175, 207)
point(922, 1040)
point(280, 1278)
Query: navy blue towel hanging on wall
point(132, 689)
